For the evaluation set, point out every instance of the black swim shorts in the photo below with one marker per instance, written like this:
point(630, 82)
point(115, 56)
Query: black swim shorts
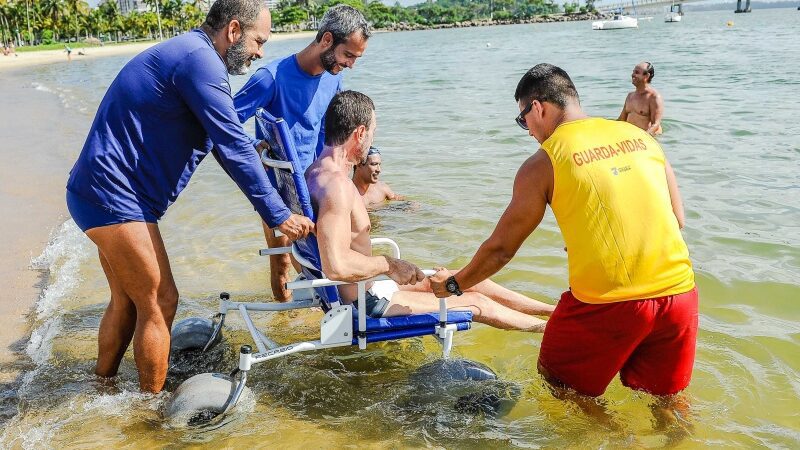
point(376, 306)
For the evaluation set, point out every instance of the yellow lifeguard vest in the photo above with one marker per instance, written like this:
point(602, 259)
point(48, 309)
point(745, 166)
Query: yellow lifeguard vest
point(613, 206)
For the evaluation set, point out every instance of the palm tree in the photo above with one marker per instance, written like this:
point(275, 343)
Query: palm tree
point(111, 16)
point(155, 3)
point(54, 10)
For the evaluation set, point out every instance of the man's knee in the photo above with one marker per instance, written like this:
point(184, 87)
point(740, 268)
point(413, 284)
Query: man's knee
point(485, 305)
point(168, 301)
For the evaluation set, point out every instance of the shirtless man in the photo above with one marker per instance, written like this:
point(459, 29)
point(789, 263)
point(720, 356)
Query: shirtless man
point(644, 107)
point(365, 177)
point(343, 233)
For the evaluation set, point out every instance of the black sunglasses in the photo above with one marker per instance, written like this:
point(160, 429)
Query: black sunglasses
point(521, 117)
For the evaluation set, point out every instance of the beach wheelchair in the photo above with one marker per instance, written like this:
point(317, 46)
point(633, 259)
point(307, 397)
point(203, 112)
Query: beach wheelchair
point(206, 396)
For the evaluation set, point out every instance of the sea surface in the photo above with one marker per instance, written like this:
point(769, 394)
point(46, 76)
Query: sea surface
point(446, 128)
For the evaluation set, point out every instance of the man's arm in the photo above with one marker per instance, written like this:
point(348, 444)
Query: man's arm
point(623, 116)
point(390, 194)
point(656, 113)
point(674, 194)
point(208, 96)
point(258, 92)
point(339, 261)
point(532, 190)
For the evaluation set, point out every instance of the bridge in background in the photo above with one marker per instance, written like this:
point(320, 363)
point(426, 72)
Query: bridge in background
point(650, 7)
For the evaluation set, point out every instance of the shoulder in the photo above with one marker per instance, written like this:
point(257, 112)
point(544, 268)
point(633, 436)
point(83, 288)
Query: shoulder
point(278, 65)
point(334, 191)
point(263, 75)
point(199, 62)
point(537, 164)
point(383, 187)
point(535, 175)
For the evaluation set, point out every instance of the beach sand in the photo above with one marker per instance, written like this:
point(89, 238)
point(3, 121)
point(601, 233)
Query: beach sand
point(32, 180)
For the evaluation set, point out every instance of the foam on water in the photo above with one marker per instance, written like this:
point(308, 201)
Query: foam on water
point(62, 258)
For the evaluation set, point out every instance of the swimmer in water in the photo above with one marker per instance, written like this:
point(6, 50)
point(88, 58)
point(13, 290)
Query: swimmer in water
point(365, 177)
point(644, 107)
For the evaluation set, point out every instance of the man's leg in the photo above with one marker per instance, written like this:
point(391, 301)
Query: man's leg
point(137, 259)
point(116, 327)
point(494, 291)
point(278, 265)
point(585, 345)
point(484, 309)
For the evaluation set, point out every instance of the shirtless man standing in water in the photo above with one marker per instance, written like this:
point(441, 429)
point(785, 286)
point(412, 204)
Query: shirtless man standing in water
point(343, 234)
point(644, 107)
point(365, 176)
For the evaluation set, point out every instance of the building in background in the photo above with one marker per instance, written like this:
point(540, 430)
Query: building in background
point(205, 5)
point(128, 6)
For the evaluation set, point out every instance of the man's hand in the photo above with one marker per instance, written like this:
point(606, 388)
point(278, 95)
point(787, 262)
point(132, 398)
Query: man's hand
point(263, 145)
point(296, 227)
point(438, 280)
point(403, 272)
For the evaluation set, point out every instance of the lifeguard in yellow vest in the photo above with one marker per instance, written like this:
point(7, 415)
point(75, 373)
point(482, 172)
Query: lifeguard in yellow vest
point(631, 307)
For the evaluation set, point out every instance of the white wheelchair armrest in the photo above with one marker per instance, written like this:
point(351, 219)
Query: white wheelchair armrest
point(321, 282)
point(276, 163)
point(390, 243)
point(274, 251)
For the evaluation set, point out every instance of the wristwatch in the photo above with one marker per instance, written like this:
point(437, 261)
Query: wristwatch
point(452, 286)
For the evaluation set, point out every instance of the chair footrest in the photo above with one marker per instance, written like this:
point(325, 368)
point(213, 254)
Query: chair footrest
point(387, 335)
point(412, 321)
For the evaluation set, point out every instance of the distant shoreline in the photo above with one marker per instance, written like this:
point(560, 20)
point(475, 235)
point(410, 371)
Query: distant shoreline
point(35, 58)
point(552, 18)
point(39, 57)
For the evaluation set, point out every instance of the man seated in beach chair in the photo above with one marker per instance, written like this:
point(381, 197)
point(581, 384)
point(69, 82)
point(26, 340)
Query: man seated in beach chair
point(343, 235)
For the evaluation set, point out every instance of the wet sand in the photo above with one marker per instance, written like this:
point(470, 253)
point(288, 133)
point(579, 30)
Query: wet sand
point(32, 179)
point(37, 149)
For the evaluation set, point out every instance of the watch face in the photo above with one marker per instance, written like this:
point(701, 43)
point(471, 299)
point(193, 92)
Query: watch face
point(451, 286)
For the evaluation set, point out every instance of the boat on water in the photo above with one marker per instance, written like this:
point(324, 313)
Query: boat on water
point(675, 13)
point(618, 22)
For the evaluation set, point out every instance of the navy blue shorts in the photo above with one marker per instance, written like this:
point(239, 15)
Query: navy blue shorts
point(88, 215)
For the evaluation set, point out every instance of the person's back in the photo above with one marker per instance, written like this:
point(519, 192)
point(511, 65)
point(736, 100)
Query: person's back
point(629, 245)
point(325, 180)
point(142, 116)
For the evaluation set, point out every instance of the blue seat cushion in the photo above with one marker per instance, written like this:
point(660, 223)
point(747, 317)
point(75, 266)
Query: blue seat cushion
point(413, 321)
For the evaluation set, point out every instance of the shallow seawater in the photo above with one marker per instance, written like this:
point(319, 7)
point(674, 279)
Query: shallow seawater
point(445, 127)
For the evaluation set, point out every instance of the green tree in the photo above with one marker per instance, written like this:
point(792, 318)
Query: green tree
point(379, 14)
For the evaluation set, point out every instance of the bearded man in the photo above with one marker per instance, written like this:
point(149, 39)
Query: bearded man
point(163, 113)
point(298, 89)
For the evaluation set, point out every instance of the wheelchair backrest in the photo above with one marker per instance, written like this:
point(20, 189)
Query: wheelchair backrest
point(291, 186)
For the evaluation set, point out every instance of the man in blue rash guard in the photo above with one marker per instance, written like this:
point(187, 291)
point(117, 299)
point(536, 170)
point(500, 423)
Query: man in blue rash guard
point(298, 88)
point(158, 120)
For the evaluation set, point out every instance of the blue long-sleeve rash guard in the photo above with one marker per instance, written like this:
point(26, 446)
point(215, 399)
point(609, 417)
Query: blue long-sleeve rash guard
point(284, 90)
point(164, 112)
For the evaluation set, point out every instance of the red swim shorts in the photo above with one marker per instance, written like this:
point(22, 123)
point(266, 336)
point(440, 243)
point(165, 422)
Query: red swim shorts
point(651, 343)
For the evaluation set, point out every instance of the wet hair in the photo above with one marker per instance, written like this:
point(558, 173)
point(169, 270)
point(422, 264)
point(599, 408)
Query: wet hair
point(222, 12)
point(341, 21)
point(650, 70)
point(372, 151)
point(546, 83)
point(347, 111)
